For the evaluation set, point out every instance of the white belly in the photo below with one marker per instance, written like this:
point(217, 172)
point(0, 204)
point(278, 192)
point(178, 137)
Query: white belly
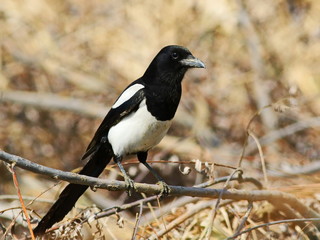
point(137, 132)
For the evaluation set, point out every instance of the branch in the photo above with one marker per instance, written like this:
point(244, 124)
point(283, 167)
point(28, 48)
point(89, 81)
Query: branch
point(308, 228)
point(54, 102)
point(198, 207)
point(23, 206)
point(153, 189)
point(280, 133)
point(306, 169)
point(274, 223)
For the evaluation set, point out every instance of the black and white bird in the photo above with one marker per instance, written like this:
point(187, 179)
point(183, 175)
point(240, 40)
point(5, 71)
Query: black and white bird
point(136, 122)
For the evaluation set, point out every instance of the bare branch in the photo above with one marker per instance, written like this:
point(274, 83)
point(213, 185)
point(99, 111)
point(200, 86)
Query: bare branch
point(55, 102)
point(153, 189)
point(310, 168)
point(275, 135)
point(25, 198)
point(275, 222)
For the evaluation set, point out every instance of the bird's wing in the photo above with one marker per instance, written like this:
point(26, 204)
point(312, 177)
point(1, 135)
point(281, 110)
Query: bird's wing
point(115, 115)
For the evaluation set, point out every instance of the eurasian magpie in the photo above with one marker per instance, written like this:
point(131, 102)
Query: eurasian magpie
point(136, 122)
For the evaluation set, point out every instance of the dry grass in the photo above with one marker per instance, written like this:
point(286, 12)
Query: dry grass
point(257, 53)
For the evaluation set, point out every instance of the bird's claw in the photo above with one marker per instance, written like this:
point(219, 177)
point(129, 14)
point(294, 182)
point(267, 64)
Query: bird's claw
point(165, 189)
point(129, 185)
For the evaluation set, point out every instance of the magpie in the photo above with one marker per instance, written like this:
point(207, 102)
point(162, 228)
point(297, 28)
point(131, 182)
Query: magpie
point(136, 122)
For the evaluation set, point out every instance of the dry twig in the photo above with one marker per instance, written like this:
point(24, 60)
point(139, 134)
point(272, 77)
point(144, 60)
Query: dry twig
point(274, 223)
point(198, 207)
point(24, 210)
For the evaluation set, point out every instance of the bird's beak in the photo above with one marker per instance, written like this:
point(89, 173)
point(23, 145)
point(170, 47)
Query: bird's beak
point(192, 62)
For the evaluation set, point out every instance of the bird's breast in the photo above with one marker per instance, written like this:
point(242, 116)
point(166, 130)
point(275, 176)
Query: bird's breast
point(137, 132)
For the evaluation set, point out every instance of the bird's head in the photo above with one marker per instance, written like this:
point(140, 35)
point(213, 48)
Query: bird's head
point(178, 57)
point(172, 62)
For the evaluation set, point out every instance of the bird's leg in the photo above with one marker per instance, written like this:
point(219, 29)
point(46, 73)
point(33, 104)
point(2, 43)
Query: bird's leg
point(129, 182)
point(165, 189)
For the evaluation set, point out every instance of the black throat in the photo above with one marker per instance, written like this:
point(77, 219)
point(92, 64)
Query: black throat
point(163, 93)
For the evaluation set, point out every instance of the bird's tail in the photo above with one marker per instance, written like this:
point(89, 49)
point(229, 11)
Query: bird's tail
point(69, 196)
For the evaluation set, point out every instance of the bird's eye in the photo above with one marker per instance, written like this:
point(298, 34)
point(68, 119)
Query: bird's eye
point(174, 55)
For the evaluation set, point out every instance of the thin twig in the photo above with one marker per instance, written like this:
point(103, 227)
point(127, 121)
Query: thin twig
point(158, 213)
point(310, 168)
point(12, 223)
point(244, 147)
point(244, 219)
point(25, 198)
point(198, 207)
point(137, 221)
point(214, 212)
point(215, 181)
point(263, 163)
point(24, 210)
point(113, 210)
point(292, 214)
point(275, 135)
point(13, 208)
point(274, 223)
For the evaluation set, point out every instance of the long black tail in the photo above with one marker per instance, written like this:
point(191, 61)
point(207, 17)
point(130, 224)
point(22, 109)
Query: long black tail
point(69, 196)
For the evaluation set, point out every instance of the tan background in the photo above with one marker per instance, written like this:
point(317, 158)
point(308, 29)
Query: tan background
point(256, 52)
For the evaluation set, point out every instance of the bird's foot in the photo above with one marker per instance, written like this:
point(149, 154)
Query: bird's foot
point(129, 185)
point(165, 189)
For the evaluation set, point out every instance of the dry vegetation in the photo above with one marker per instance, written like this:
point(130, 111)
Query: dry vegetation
point(64, 62)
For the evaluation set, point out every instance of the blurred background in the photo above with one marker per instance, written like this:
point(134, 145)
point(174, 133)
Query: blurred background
point(63, 64)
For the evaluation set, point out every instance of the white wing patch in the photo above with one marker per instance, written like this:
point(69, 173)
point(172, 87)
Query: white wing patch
point(127, 94)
